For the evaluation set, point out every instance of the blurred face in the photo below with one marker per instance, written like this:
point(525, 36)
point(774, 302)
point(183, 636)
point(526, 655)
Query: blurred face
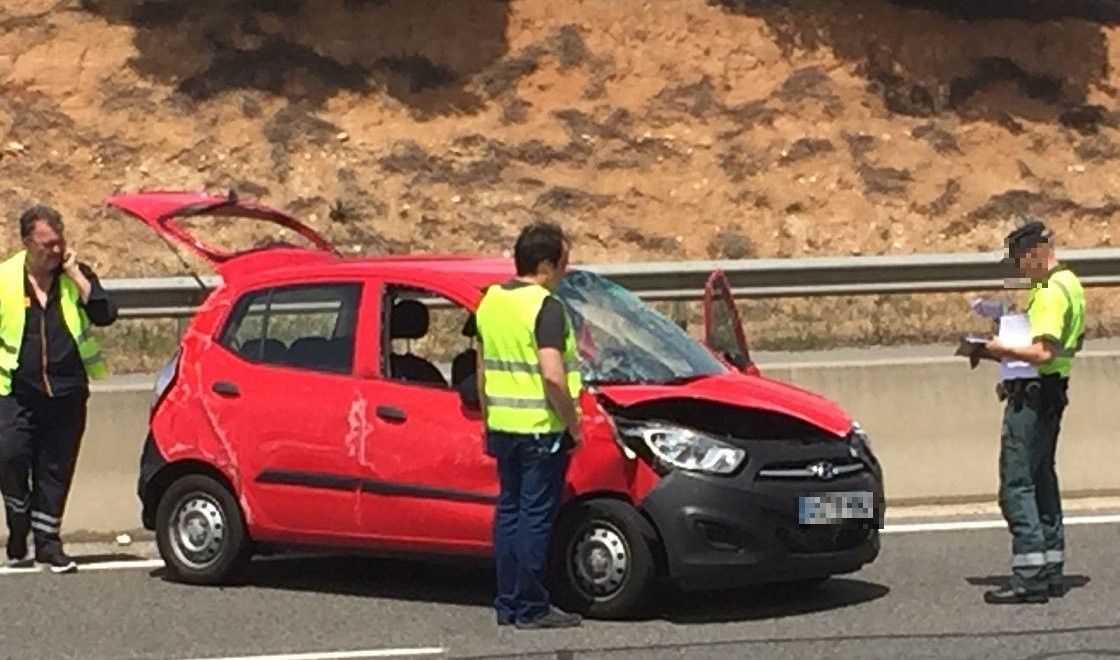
point(1035, 262)
point(45, 247)
point(555, 274)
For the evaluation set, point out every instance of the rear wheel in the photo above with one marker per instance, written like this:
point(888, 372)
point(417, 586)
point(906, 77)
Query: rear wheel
point(200, 532)
point(602, 561)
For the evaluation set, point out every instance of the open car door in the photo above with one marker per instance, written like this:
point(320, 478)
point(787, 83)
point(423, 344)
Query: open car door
point(723, 325)
point(163, 210)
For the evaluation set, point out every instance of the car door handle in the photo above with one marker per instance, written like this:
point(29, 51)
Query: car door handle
point(392, 414)
point(225, 388)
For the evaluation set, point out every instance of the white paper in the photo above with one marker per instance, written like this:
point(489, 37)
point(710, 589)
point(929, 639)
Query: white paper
point(1015, 332)
point(991, 309)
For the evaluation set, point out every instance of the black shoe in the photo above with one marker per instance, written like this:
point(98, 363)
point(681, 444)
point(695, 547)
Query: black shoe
point(58, 562)
point(17, 552)
point(1057, 589)
point(1010, 596)
point(504, 621)
point(556, 618)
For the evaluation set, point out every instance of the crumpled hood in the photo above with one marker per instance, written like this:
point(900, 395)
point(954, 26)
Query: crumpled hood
point(745, 391)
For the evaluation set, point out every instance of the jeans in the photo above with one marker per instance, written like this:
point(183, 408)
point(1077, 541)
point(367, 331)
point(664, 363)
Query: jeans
point(531, 475)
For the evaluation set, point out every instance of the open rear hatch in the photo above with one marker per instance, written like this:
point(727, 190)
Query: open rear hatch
point(163, 211)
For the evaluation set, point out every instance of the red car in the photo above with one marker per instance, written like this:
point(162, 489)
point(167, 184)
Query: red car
point(322, 401)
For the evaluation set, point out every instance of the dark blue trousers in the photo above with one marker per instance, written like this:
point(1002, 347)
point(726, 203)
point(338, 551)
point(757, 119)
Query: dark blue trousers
point(531, 475)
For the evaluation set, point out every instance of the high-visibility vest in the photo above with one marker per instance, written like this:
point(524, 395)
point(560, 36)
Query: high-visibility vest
point(1072, 336)
point(515, 395)
point(13, 316)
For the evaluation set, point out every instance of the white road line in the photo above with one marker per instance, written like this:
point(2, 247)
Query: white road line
point(342, 655)
point(989, 524)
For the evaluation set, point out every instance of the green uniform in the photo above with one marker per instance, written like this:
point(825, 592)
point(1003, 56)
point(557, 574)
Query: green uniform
point(1029, 495)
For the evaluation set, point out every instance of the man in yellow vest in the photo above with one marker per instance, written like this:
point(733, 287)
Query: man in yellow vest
point(48, 302)
point(529, 381)
point(1028, 493)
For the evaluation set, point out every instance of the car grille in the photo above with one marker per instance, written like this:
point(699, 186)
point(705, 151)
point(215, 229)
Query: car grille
point(807, 539)
point(822, 470)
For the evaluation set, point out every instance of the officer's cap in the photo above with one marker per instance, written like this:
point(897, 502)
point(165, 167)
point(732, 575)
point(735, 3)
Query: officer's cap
point(1028, 235)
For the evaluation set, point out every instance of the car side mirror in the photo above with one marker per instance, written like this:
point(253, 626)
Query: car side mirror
point(738, 359)
point(468, 393)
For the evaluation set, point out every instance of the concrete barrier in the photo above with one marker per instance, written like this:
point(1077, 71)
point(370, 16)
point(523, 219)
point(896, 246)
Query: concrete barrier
point(934, 424)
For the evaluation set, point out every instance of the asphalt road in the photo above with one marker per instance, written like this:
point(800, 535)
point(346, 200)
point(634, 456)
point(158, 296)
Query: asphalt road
point(921, 599)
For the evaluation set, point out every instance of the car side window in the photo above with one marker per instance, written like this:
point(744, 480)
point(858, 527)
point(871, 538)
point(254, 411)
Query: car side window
point(305, 326)
point(426, 339)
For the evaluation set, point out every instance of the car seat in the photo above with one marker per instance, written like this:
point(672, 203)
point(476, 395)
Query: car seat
point(319, 353)
point(409, 320)
point(274, 350)
point(464, 364)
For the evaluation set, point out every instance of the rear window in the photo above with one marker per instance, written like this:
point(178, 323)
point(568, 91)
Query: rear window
point(305, 327)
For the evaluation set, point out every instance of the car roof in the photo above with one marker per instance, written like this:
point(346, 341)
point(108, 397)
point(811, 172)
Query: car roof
point(475, 270)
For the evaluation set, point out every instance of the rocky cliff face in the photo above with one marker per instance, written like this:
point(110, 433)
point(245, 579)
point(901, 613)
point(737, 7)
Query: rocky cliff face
point(662, 129)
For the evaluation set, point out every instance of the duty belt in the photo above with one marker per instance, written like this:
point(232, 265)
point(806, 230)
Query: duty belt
point(1030, 386)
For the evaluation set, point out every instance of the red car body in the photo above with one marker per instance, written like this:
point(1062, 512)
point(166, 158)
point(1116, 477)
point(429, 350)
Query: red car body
point(350, 458)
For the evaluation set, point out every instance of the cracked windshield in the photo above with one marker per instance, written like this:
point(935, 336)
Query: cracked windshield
point(623, 340)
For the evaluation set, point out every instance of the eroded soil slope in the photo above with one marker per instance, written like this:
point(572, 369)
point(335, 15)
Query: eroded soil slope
point(665, 129)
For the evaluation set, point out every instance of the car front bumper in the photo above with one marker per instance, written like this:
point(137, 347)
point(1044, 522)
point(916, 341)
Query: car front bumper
point(744, 529)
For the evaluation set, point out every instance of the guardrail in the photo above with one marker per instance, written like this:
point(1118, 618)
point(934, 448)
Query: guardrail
point(177, 297)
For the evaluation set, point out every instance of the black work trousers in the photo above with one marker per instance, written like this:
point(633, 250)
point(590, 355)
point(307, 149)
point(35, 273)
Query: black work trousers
point(39, 441)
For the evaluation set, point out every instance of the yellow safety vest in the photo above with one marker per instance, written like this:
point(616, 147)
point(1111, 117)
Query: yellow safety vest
point(13, 315)
point(515, 396)
point(1057, 311)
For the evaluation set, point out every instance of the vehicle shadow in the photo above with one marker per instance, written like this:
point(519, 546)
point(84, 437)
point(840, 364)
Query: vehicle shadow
point(769, 601)
point(459, 582)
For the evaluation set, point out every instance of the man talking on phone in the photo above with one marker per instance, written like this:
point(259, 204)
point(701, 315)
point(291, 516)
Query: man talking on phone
point(48, 302)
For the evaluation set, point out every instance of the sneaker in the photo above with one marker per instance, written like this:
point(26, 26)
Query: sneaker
point(17, 552)
point(58, 562)
point(556, 618)
point(1012, 596)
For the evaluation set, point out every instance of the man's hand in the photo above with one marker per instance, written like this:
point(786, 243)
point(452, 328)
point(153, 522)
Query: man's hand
point(70, 262)
point(996, 348)
point(70, 267)
point(576, 438)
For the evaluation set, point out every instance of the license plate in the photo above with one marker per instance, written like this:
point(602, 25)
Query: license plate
point(830, 508)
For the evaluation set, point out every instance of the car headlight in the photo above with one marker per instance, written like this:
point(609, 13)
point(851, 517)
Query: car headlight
point(859, 435)
point(687, 449)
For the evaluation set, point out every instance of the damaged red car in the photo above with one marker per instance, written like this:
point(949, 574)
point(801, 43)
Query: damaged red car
point(330, 402)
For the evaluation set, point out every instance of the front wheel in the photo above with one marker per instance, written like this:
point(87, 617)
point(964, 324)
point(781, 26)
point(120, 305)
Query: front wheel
point(602, 561)
point(200, 532)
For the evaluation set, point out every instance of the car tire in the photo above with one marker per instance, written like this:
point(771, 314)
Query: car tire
point(603, 560)
point(201, 533)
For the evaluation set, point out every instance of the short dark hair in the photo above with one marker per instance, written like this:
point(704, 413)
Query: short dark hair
point(28, 218)
point(538, 243)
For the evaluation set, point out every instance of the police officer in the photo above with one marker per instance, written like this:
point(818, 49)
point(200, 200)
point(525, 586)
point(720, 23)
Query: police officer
point(529, 379)
point(47, 303)
point(1028, 494)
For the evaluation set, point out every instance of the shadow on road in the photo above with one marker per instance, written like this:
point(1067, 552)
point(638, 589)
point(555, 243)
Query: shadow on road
point(472, 583)
point(770, 601)
point(1069, 581)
